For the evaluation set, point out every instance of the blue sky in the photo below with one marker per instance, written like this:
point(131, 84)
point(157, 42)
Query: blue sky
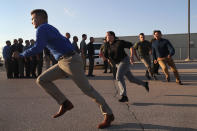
point(96, 17)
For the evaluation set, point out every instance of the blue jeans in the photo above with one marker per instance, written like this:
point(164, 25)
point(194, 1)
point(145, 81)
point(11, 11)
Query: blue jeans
point(124, 70)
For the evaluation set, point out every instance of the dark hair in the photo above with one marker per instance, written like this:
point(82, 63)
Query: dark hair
point(15, 40)
point(40, 12)
point(91, 38)
point(84, 35)
point(113, 34)
point(141, 34)
point(75, 37)
point(20, 39)
point(32, 40)
point(7, 42)
point(26, 41)
point(156, 31)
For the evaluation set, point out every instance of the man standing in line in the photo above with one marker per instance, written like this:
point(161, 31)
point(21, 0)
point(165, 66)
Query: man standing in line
point(75, 40)
point(39, 65)
point(67, 35)
point(144, 48)
point(33, 61)
point(27, 60)
point(163, 51)
point(90, 49)
point(20, 60)
point(83, 48)
point(7, 56)
point(47, 57)
point(69, 63)
point(14, 49)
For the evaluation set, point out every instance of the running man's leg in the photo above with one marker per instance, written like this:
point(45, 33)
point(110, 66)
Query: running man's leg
point(174, 69)
point(164, 67)
point(147, 64)
point(121, 70)
point(73, 66)
point(45, 81)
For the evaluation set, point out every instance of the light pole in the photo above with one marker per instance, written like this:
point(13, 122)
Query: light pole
point(188, 58)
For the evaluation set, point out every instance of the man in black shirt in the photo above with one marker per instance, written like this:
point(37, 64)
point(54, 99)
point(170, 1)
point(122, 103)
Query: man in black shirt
point(14, 48)
point(47, 57)
point(21, 61)
point(116, 53)
point(39, 64)
point(27, 60)
point(33, 61)
point(90, 49)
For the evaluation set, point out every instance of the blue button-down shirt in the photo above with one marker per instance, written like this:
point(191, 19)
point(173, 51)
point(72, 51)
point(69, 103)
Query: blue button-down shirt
point(162, 48)
point(48, 36)
point(7, 54)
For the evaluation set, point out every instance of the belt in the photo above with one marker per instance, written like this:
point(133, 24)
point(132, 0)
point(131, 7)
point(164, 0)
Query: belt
point(67, 55)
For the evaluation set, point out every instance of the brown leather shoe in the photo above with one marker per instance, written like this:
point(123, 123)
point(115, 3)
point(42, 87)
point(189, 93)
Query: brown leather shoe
point(67, 105)
point(107, 121)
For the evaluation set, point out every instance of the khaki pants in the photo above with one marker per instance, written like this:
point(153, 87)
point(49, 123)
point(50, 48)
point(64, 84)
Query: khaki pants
point(163, 63)
point(147, 62)
point(72, 67)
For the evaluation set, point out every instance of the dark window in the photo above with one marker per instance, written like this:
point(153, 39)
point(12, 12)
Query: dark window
point(97, 46)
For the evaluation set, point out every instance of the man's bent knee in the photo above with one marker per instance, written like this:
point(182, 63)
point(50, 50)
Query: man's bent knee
point(39, 80)
point(119, 78)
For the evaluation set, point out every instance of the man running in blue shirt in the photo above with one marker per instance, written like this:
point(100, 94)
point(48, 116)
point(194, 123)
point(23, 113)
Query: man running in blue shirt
point(69, 63)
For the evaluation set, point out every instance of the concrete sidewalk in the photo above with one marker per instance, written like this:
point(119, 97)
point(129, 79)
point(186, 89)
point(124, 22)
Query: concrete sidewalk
point(168, 106)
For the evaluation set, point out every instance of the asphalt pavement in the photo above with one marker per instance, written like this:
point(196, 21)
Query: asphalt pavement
point(167, 107)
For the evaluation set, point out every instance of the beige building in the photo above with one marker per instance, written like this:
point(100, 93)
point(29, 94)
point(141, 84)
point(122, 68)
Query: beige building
point(179, 41)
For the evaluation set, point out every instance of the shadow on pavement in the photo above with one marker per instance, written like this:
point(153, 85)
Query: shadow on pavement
point(189, 76)
point(164, 104)
point(136, 127)
point(182, 95)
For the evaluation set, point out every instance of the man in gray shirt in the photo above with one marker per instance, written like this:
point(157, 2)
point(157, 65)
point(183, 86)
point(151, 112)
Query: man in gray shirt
point(83, 48)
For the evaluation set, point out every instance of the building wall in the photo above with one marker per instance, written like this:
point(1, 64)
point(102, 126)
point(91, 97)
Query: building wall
point(179, 41)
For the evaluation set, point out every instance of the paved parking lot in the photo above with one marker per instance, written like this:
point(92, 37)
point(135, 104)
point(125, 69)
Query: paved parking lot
point(167, 107)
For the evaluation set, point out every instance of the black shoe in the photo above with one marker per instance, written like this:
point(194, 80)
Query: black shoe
point(21, 77)
point(147, 75)
point(154, 78)
point(10, 77)
point(105, 72)
point(168, 79)
point(157, 73)
point(124, 99)
point(180, 83)
point(34, 76)
point(90, 75)
point(146, 86)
